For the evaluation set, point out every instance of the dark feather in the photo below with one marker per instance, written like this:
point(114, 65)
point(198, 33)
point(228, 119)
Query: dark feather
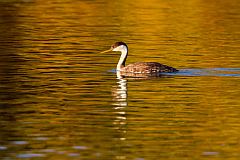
point(148, 67)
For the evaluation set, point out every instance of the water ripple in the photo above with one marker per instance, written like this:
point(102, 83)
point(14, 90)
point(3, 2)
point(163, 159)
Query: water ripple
point(219, 72)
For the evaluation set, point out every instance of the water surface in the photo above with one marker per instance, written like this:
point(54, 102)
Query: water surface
point(61, 99)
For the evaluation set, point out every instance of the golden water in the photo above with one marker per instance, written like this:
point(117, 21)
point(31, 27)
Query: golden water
point(61, 99)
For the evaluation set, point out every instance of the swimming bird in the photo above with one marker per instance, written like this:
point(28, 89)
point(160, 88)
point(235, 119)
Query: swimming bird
point(138, 67)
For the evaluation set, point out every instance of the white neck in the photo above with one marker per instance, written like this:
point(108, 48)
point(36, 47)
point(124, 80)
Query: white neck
point(124, 50)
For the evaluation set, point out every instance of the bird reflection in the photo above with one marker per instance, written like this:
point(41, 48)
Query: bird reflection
point(120, 103)
point(120, 92)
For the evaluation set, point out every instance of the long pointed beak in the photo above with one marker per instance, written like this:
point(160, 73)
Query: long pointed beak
point(109, 50)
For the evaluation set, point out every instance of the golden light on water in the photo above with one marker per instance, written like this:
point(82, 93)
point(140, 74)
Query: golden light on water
point(61, 99)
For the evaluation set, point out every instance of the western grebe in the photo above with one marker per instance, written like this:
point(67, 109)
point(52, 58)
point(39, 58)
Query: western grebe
point(138, 67)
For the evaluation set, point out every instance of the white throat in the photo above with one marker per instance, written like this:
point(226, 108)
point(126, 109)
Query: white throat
point(124, 50)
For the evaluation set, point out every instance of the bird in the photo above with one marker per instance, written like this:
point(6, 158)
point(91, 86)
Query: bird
point(138, 67)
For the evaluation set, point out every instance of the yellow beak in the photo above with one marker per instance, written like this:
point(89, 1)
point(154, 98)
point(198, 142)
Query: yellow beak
point(109, 50)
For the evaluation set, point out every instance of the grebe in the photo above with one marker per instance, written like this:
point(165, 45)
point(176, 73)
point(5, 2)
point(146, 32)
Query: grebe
point(138, 67)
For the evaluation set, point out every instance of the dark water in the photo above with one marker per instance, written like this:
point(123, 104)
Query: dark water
point(61, 99)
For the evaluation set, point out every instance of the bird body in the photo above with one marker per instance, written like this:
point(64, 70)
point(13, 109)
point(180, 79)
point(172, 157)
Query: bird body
point(138, 67)
point(147, 67)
